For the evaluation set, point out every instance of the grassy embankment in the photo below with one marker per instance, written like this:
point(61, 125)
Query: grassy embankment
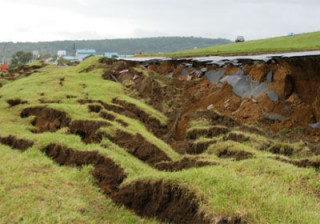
point(34, 189)
point(299, 42)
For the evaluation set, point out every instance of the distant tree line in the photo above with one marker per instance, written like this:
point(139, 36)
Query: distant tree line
point(21, 58)
point(122, 46)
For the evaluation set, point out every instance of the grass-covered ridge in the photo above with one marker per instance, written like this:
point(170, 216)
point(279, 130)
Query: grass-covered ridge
point(299, 42)
point(34, 188)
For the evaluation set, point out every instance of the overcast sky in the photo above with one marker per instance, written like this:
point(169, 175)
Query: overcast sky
point(45, 20)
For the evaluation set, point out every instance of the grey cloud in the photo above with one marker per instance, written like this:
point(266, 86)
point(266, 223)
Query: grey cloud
point(209, 18)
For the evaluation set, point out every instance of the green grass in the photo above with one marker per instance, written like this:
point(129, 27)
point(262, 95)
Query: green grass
point(299, 42)
point(33, 189)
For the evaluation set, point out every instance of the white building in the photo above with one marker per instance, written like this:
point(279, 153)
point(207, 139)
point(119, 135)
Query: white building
point(84, 53)
point(35, 55)
point(61, 53)
point(111, 55)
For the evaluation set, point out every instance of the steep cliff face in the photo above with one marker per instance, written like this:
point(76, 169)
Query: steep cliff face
point(303, 74)
point(283, 92)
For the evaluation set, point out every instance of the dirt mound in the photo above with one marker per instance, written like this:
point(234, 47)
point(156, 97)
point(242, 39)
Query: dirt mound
point(138, 146)
point(168, 202)
point(88, 130)
point(184, 163)
point(16, 143)
point(47, 119)
point(232, 153)
point(107, 173)
point(15, 102)
point(206, 132)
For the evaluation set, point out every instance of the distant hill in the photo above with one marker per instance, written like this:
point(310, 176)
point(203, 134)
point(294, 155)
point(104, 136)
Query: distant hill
point(122, 46)
point(298, 42)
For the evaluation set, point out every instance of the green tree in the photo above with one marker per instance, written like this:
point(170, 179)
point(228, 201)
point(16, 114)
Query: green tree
point(20, 58)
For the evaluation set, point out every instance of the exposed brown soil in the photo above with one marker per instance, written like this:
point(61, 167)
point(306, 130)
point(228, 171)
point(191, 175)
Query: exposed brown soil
point(107, 173)
point(184, 163)
point(16, 143)
point(168, 202)
point(236, 137)
point(206, 132)
point(94, 108)
point(138, 146)
point(46, 119)
point(15, 102)
point(123, 123)
point(129, 110)
point(282, 149)
point(88, 130)
point(250, 129)
point(235, 154)
point(114, 108)
point(139, 114)
point(107, 116)
point(199, 147)
point(44, 101)
point(305, 163)
point(61, 81)
point(291, 80)
point(314, 146)
point(23, 70)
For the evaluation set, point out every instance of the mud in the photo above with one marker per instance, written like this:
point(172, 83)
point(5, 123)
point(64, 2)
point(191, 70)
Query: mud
point(168, 202)
point(16, 102)
point(107, 173)
point(16, 143)
point(88, 130)
point(184, 163)
point(46, 119)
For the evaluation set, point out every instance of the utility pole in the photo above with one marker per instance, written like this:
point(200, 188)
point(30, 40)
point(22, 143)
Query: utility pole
point(4, 58)
point(74, 49)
